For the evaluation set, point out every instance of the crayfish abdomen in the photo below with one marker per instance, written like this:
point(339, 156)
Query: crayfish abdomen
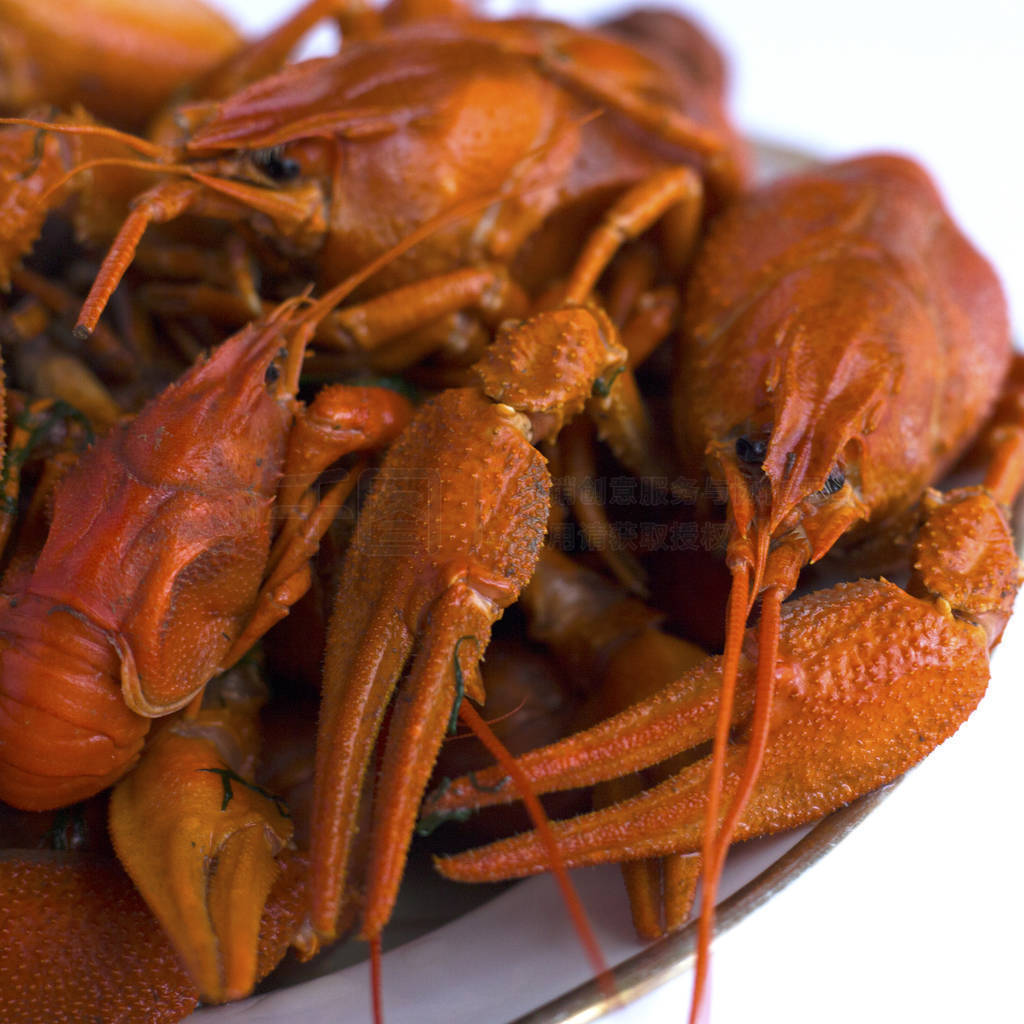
point(65, 730)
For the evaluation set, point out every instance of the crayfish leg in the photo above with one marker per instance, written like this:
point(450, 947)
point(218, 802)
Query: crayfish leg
point(371, 325)
point(680, 876)
point(553, 362)
point(630, 216)
point(341, 420)
point(668, 123)
point(649, 323)
point(661, 890)
point(576, 446)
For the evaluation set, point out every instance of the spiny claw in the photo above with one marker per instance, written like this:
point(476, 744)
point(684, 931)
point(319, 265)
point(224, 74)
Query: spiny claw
point(681, 716)
point(202, 843)
point(446, 542)
point(612, 643)
point(864, 691)
point(867, 679)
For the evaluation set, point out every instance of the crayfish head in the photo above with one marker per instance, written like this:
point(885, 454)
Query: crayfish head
point(254, 173)
point(766, 513)
point(802, 458)
point(278, 192)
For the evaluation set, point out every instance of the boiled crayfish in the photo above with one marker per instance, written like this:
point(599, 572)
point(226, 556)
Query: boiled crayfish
point(842, 344)
point(281, 157)
point(526, 126)
point(158, 572)
point(175, 510)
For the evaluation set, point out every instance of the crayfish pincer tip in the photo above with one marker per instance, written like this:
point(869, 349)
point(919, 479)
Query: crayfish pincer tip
point(203, 847)
point(81, 332)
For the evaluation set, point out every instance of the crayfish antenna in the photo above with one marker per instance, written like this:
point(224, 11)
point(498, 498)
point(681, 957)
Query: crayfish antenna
point(535, 809)
point(774, 578)
point(140, 145)
point(376, 984)
point(739, 597)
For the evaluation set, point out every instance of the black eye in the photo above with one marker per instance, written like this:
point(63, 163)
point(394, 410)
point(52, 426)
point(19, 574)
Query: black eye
point(835, 481)
point(275, 165)
point(751, 452)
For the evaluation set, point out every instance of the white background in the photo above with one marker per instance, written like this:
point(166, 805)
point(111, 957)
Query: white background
point(917, 915)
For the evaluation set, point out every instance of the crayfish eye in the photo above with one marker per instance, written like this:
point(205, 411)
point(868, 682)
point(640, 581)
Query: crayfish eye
point(275, 165)
point(752, 452)
point(835, 481)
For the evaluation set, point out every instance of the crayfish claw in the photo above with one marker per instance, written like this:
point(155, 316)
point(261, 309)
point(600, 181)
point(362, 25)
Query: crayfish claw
point(864, 690)
point(438, 682)
point(201, 844)
point(447, 540)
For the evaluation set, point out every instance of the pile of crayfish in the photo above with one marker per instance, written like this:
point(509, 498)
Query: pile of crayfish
point(315, 370)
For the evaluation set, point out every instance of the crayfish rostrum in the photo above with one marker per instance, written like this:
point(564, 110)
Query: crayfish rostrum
point(514, 214)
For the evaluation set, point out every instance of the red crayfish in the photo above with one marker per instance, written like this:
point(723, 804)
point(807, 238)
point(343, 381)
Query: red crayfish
point(842, 344)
